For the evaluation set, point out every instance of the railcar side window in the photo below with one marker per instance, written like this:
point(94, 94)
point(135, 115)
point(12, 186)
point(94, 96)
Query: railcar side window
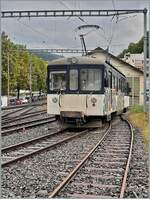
point(57, 80)
point(117, 84)
point(91, 79)
point(110, 79)
point(106, 79)
point(113, 82)
point(73, 79)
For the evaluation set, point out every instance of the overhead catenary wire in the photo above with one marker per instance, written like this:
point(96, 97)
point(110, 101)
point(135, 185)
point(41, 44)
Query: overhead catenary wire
point(101, 28)
point(102, 32)
point(62, 3)
point(112, 31)
point(113, 3)
point(117, 21)
point(45, 36)
point(113, 26)
point(124, 18)
point(111, 37)
point(35, 30)
point(81, 19)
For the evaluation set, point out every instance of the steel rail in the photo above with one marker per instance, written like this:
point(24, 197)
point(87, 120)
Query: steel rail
point(11, 113)
point(5, 121)
point(26, 111)
point(43, 149)
point(30, 141)
point(123, 186)
point(25, 122)
point(47, 120)
point(34, 112)
point(78, 167)
point(25, 105)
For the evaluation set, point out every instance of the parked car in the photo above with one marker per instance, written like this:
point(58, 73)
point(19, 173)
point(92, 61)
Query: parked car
point(12, 101)
point(23, 100)
point(35, 98)
point(28, 99)
point(18, 101)
point(42, 97)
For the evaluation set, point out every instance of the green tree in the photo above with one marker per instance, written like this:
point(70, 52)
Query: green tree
point(135, 47)
point(19, 59)
point(39, 70)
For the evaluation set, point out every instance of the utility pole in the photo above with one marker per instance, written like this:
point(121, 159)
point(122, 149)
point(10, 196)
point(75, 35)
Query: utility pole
point(145, 56)
point(149, 85)
point(132, 91)
point(149, 68)
point(8, 67)
point(30, 80)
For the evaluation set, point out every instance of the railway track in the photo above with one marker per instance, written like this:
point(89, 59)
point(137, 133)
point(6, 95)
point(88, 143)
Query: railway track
point(70, 170)
point(26, 125)
point(23, 110)
point(23, 150)
point(103, 171)
point(28, 115)
point(35, 104)
point(6, 126)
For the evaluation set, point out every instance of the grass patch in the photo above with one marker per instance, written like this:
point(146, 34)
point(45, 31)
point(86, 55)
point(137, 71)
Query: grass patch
point(136, 109)
point(140, 120)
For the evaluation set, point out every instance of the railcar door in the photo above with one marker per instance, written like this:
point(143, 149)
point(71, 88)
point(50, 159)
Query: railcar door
point(91, 84)
point(73, 104)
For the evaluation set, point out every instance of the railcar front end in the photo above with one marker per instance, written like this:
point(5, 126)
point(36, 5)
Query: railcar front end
point(84, 89)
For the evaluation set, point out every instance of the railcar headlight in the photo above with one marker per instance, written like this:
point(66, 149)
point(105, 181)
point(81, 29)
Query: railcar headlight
point(93, 100)
point(54, 99)
point(74, 60)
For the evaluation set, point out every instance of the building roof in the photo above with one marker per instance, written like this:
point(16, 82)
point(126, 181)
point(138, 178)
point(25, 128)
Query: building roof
point(136, 55)
point(101, 50)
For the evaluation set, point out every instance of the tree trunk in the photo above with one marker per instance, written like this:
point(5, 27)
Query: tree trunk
point(18, 92)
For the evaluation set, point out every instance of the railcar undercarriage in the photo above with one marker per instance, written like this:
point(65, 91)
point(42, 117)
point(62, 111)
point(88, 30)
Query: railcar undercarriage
point(80, 122)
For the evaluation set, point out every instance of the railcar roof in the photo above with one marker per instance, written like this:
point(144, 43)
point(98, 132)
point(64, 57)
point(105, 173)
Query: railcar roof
point(81, 60)
point(78, 60)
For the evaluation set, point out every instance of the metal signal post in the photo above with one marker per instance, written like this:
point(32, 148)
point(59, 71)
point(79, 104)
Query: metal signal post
point(8, 74)
point(67, 13)
point(145, 57)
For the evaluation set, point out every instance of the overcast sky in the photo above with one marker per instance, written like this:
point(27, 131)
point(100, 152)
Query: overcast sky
point(61, 32)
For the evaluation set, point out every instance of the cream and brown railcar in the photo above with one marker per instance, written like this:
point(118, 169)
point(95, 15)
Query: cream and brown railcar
point(79, 88)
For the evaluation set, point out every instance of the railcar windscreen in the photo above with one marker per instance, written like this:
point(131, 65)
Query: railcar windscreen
point(73, 83)
point(91, 79)
point(57, 80)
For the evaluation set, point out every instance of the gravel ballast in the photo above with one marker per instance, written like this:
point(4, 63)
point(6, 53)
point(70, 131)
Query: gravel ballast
point(39, 175)
point(46, 170)
point(22, 136)
point(137, 183)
